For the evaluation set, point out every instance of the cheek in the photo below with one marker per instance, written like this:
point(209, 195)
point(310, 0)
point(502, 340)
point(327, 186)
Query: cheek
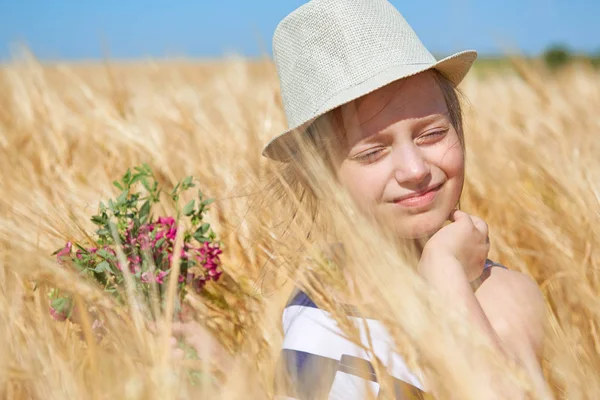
point(365, 184)
point(450, 162)
point(448, 158)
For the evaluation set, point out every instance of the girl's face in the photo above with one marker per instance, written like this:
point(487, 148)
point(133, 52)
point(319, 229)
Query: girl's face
point(402, 159)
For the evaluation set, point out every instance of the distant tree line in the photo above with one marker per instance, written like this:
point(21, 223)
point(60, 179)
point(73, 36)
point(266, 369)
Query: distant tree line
point(558, 56)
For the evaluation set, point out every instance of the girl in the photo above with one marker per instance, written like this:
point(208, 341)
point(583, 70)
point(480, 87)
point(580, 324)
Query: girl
point(396, 145)
point(361, 89)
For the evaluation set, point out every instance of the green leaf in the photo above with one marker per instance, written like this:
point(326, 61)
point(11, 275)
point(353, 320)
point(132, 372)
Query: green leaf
point(204, 228)
point(156, 195)
point(127, 177)
point(199, 237)
point(80, 247)
point(145, 211)
point(160, 242)
point(187, 183)
point(59, 304)
point(103, 266)
point(175, 188)
point(118, 185)
point(189, 208)
point(105, 254)
point(137, 178)
point(122, 197)
point(146, 184)
point(98, 220)
point(208, 202)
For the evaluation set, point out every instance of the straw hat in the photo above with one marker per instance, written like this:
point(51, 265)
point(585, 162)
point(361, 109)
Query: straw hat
point(330, 52)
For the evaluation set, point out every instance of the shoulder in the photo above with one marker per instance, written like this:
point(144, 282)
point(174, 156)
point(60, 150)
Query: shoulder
point(514, 305)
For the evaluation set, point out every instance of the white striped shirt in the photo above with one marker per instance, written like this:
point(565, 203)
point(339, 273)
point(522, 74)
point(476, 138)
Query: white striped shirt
point(318, 356)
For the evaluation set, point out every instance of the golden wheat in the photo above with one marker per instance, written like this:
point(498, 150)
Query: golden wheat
point(68, 131)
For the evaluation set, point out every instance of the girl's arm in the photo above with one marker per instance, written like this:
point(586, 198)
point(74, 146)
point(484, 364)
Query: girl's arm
point(515, 308)
point(508, 307)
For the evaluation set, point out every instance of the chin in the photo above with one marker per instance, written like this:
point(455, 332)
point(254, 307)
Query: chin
point(421, 225)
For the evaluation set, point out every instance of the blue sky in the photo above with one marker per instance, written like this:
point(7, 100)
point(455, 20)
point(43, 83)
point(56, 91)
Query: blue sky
point(73, 30)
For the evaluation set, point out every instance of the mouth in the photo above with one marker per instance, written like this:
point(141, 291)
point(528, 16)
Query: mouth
point(419, 199)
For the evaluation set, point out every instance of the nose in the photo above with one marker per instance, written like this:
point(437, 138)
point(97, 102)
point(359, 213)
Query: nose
point(410, 164)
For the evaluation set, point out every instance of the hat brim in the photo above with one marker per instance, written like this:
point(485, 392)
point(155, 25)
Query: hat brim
point(454, 68)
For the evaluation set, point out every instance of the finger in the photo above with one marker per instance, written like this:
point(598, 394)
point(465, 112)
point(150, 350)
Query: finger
point(178, 354)
point(178, 329)
point(458, 215)
point(481, 225)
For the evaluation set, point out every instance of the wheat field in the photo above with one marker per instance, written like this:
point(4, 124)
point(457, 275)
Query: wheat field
point(67, 131)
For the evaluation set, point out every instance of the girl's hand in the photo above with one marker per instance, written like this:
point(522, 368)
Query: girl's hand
point(177, 353)
point(201, 340)
point(465, 239)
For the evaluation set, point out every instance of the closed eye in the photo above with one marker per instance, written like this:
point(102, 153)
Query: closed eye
point(432, 137)
point(369, 156)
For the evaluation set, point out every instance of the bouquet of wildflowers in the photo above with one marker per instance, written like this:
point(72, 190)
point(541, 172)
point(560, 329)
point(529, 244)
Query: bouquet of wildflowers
point(131, 238)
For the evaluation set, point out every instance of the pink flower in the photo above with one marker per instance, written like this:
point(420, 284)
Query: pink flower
point(160, 277)
point(181, 278)
point(146, 277)
point(145, 242)
point(57, 315)
point(97, 324)
point(200, 283)
point(146, 229)
point(63, 253)
point(166, 221)
point(172, 233)
point(189, 278)
point(135, 260)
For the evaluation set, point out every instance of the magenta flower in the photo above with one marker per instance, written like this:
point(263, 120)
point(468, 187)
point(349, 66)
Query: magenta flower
point(134, 261)
point(57, 315)
point(166, 221)
point(160, 277)
point(63, 253)
point(145, 243)
point(140, 230)
point(171, 233)
point(145, 278)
